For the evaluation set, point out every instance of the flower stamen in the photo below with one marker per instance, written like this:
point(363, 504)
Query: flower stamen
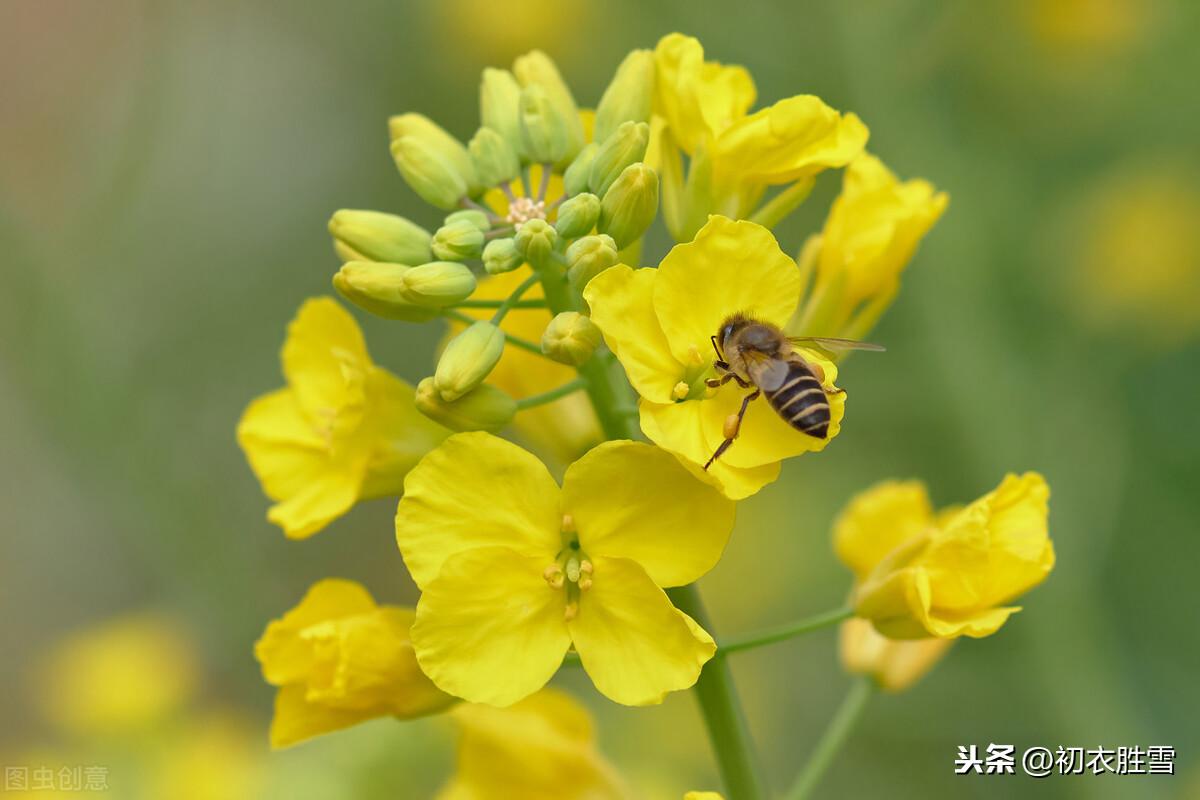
point(523, 209)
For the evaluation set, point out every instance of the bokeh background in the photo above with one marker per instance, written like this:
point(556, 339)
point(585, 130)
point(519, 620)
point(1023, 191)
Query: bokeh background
point(166, 173)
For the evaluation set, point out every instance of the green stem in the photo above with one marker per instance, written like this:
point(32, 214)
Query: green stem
point(835, 736)
point(813, 623)
point(508, 302)
point(552, 395)
point(722, 711)
point(772, 212)
point(498, 303)
point(515, 341)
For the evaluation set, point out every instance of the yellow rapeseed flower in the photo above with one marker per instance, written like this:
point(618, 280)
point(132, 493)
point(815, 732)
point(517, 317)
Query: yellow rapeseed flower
point(872, 231)
point(948, 574)
point(122, 676)
point(893, 664)
point(515, 571)
point(734, 154)
point(659, 323)
point(342, 430)
point(541, 748)
point(340, 659)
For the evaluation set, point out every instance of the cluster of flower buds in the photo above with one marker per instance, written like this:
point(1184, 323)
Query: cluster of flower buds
point(540, 183)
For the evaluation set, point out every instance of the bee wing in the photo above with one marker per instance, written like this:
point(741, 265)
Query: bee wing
point(836, 344)
point(768, 374)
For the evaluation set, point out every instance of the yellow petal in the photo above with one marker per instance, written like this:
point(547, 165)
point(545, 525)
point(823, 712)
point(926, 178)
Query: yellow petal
point(729, 267)
point(398, 435)
point(878, 520)
point(764, 437)
point(680, 429)
point(542, 748)
point(296, 719)
point(615, 495)
point(489, 628)
point(703, 796)
point(476, 490)
point(793, 139)
point(698, 99)
point(284, 656)
point(894, 665)
point(321, 502)
point(633, 642)
point(325, 361)
point(622, 306)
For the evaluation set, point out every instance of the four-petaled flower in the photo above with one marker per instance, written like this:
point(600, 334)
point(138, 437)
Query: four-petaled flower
point(514, 571)
point(343, 429)
point(660, 322)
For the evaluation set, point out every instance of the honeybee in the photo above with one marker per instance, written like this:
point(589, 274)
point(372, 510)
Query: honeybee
point(760, 355)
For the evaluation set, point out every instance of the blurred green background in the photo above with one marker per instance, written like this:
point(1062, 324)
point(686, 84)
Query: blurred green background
point(166, 173)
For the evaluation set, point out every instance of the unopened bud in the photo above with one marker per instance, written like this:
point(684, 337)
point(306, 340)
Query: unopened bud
point(537, 69)
point(535, 241)
point(543, 129)
point(439, 140)
point(588, 257)
point(380, 289)
point(629, 205)
point(484, 408)
point(438, 284)
point(575, 179)
point(499, 98)
point(433, 178)
point(570, 338)
point(458, 241)
point(626, 146)
point(500, 255)
point(468, 359)
point(494, 159)
point(472, 215)
point(376, 236)
point(577, 216)
point(628, 95)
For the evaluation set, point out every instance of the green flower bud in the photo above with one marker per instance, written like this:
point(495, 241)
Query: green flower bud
point(499, 98)
point(543, 129)
point(575, 179)
point(494, 159)
point(380, 289)
point(535, 68)
point(430, 176)
point(468, 359)
point(484, 408)
point(376, 236)
point(473, 215)
point(588, 257)
point(570, 338)
point(577, 216)
point(437, 138)
point(501, 255)
point(628, 96)
point(438, 284)
point(458, 241)
point(626, 146)
point(535, 241)
point(629, 205)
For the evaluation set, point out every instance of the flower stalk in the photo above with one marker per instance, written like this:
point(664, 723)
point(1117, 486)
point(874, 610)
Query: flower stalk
point(835, 736)
point(788, 631)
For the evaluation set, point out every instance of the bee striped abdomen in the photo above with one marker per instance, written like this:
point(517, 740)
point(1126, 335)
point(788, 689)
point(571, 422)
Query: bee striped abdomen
point(801, 401)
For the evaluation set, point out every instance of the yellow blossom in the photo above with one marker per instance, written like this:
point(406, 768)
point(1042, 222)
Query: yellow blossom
point(342, 430)
point(340, 659)
point(734, 154)
point(659, 323)
point(948, 574)
point(515, 571)
point(541, 748)
point(871, 233)
point(214, 756)
point(893, 664)
point(122, 676)
point(565, 427)
point(703, 796)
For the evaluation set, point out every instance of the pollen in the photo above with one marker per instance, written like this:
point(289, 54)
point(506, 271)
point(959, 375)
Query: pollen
point(571, 611)
point(731, 426)
point(554, 576)
point(680, 390)
point(523, 209)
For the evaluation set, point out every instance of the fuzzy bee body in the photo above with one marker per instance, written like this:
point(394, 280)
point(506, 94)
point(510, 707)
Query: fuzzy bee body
point(800, 400)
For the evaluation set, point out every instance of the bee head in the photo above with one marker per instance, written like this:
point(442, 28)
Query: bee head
point(731, 326)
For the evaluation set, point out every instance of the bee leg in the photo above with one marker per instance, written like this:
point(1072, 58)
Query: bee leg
point(713, 383)
point(733, 426)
